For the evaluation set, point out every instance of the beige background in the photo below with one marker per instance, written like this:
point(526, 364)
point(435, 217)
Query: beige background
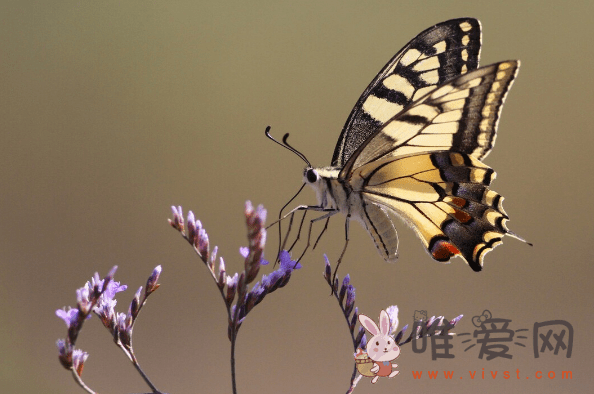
point(111, 111)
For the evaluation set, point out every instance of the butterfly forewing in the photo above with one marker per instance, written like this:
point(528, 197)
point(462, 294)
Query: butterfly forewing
point(459, 116)
point(435, 56)
point(424, 166)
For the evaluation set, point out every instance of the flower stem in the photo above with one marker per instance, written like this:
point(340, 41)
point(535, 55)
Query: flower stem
point(233, 382)
point(80, 382)
point(146, 379)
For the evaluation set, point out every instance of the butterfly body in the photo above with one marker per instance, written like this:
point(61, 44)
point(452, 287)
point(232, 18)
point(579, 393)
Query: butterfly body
point(345, 196)
point(413, 148)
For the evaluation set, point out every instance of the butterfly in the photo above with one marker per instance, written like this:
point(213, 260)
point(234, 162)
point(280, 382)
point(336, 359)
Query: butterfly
point(413, 147)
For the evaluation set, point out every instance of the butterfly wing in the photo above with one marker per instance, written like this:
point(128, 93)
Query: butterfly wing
point(444, 197)
point(424, 166)
point(459, 116)
point(432, 58)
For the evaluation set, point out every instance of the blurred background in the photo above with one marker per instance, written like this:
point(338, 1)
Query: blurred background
point(113, 111)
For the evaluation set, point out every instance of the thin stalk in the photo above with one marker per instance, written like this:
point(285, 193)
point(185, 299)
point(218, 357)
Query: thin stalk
point(144, 376)
point(233, 382)
point(80, 382)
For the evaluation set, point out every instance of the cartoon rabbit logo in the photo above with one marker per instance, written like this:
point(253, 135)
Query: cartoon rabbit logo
point(381, 349)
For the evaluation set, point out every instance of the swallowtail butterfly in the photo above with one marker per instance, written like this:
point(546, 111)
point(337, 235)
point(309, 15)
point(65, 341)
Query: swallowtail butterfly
point(413, 147)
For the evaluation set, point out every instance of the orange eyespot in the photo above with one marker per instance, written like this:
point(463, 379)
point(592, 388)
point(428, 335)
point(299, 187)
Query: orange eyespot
point(443, 250)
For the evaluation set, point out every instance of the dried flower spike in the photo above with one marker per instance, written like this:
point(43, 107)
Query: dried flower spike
point(151, 283)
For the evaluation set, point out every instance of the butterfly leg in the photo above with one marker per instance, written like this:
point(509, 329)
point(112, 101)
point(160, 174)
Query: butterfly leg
point(346, 243)
point(282, 242)
point(323, 231)
point(298, 233)
point(330, 212)
point(291, 215)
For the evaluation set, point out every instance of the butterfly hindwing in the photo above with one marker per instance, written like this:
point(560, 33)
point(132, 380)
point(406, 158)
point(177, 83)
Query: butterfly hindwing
point(435, 56)
point(444, 196)
point(459, 116)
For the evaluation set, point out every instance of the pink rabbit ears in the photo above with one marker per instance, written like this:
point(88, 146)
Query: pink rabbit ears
point(386, 325)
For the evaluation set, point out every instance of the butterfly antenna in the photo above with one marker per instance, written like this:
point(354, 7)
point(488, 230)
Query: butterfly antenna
point(284, 144)
point(285, 138)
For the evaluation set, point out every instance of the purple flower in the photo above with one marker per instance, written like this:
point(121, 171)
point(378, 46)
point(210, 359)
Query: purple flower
point(360, 340)
point(112, 289)
point(343, 288)
point(65, 353)
point(392, 312)
point(135, 305)
point(232, 280)
point(286, 264)
point(455, 320)
point(231, 288)
point(244, 251)
point(121, 319)
point(178, 218)
point(280, 277)
point(221, 273)
point(261, 213)
point(350, 301)
point(69, 316)
point(83, 298)
point(354, 320)
point(256, 238)
point(363, 343)
point(258, 292)
point(203, 245)
point(78, 360)
point(398, 338)
point(191, 227)
point(96, 284)
point(124, 324)
point(105, 309)
point(327, 270)
point(107, 302)
point(151, 283)
point(272, 280)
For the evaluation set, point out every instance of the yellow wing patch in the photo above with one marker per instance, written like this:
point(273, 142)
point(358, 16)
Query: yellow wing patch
point(444, 197)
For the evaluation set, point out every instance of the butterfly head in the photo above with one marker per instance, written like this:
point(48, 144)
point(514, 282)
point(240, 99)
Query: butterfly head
point(310, 175)
point(320, 179)
point(312, 178)
point(317, 176)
